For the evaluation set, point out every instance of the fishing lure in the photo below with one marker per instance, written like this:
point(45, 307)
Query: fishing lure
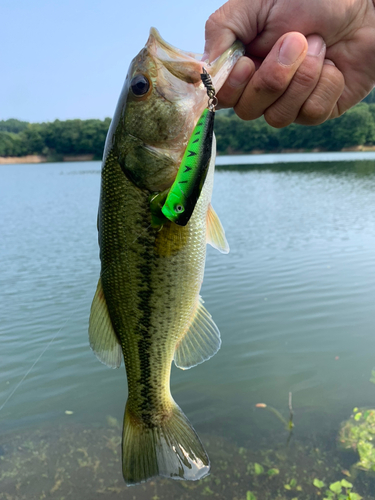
point(177, 204)
point(184, 193)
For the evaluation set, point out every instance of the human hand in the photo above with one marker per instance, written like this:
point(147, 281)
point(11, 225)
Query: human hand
point(306, 60)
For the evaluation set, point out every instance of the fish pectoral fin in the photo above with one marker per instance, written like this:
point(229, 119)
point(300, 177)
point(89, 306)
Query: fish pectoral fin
point(200, 342)
point(215, 231)
point(103, 339)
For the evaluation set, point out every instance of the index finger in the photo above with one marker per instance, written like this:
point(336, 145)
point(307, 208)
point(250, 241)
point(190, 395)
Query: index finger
point(234, 20)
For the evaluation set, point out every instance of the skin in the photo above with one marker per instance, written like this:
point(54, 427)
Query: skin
point(306, 60)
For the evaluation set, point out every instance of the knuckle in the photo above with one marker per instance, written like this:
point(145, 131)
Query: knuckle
point(217, 19)
point(322, 102)
point(211, 22)
point(278, 117)
point(244, 113)
point(270, 84)
point(315, 111)
point(305, 79)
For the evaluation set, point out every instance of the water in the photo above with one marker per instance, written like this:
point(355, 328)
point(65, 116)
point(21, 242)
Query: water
point(264, 159)
point(294, 301)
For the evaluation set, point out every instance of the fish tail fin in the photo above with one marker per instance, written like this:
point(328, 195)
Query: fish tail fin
point(169, 446)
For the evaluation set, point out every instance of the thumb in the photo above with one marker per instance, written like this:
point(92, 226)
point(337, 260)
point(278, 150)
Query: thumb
point(236, 19)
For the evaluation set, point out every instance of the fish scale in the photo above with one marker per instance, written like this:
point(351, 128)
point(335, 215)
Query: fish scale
point(147, 307)
point(158, 305)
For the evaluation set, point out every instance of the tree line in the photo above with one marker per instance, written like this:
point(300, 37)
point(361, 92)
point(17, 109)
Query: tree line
point(53, 139)
point(78, 137)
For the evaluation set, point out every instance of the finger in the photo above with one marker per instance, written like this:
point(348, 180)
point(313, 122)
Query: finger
point(323, 102)
point(233, 20)
point(286, 109)
point(273, 77)
point(235, 83)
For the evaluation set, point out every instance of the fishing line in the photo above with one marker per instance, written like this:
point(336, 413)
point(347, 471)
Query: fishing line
point(32, 366)
point(148, 227)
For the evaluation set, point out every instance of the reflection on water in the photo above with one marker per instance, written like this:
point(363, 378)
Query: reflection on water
point(293, 300)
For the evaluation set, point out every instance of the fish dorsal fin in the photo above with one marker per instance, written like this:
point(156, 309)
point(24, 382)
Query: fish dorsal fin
point(215, 231)
point(103, 340)
point(200, 342)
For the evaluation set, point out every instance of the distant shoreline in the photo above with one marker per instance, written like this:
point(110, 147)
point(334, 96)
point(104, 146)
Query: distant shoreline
point(8, 160)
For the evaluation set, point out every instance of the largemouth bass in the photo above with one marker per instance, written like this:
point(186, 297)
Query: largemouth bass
point(147, 305)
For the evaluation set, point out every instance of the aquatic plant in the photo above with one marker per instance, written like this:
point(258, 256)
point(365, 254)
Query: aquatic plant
point(339, 490)
point(250, 496)
point(357, 434)
point(57, 461)
point(292, 485)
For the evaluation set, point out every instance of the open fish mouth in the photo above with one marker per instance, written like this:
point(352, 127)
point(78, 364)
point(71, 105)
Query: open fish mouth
point(188, 66)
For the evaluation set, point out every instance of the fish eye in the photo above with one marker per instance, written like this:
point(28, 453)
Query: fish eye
point(178, 209)
point(140, 85)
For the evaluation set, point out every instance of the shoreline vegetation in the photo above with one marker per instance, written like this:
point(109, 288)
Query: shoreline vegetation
point(10, 160)
point(83, 140)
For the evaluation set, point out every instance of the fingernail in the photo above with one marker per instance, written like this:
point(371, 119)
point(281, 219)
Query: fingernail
point(315, 45)
point(291, 49)
point(205, 57)
point(328, 61)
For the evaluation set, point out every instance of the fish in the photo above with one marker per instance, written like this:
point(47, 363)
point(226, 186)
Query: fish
point(147, 308)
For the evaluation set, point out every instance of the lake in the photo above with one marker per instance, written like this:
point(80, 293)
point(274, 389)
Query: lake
point(294, 301)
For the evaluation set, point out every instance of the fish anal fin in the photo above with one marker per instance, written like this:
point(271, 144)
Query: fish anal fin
point(215, 231)
point(103, 339)
point(200, 342)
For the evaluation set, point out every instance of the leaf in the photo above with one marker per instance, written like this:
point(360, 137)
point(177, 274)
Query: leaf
point(354, 496)
point(250, 496)
point(273, 472)
point(258, 469)
point(346, 484)
point(357, 416)
point(318, 483)
point(293, 483)
point(287, 487)
point(372, 379)
point(336, 487)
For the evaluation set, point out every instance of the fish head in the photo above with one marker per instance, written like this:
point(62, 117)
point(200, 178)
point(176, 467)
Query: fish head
point(161, 101)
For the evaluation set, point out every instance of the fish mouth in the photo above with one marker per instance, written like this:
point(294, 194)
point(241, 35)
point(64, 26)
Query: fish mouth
point(188, 66)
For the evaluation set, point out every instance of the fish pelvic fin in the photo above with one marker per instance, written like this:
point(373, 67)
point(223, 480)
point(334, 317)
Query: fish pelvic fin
point(201, 340)
point(215, 231)
point(167, 447)
point(103, 339)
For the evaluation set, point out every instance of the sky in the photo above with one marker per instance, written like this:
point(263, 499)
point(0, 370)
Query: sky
point(64, 59)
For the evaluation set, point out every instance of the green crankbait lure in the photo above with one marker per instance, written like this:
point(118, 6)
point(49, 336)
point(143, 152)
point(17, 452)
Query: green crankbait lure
point(177, 204)
point(187, 187)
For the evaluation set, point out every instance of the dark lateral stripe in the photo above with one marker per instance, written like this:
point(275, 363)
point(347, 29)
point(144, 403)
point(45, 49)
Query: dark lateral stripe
point(192, 153)
point(187, 169)
point(196, 140)
point(144, 325)
point(182, 182)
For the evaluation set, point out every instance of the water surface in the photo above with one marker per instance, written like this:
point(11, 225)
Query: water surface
point(294, 301)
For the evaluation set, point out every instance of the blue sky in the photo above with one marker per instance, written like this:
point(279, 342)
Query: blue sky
point(68, 58)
